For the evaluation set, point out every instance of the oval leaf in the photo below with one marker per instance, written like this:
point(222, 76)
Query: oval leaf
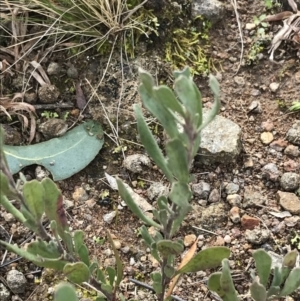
point(65, 291)
point(59, 155)
point(77, 272)
point(34, 198)
point(206, 259)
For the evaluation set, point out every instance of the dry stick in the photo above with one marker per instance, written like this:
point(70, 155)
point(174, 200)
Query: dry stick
point(233, 2)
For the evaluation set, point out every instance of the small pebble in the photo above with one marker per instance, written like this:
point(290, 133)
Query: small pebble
point(274, 87)
point(16, 281)
point(266, 137)
point(227, 239)
point(234, 214)
point(80, 195)
point(189, 240)
point(108, 218)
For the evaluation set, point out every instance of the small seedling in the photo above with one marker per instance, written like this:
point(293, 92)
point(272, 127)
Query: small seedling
point(49, 115)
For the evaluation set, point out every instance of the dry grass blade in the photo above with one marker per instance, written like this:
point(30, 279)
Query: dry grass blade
point(188, 256)
point(10, 106)
point(290, 29)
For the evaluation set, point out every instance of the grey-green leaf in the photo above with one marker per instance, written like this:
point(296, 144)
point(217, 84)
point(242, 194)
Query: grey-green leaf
point(206, 259)
point(34, 198)
point(65, 291)
point(59, 155)
point(263, 262)
point(227, 283)
point(167, 97)
point(125, 195)
point(77, 272)
point(292, 282)
point(150, 144)
point(168, 247)
point(214, 85)
point(258, 291)
point(180, 194)
point(177, 160)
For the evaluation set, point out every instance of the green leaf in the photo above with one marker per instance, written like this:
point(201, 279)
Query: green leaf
point(111, 275)
point(169, 271)
point(34, 198)
point(56, 264)
point(100, 276)
point(107, 288)
point(157, 286)
point(146, 236)
point(158, 110)
point(118, 260)
point(290, 259)
point(214, 86)
point(186, 72)
point(77, 272)
point(276, 282)
point(181, 194)
point(59, 155)
point(93, 266)
point(150, 144)
point(189, 95)
point(167, 97)
point(263, 262)
point(156, 276)
point(78, 239)
point(65, 291)
point(206, 259)
point(258, 291)
point(227, 283)
point(146, 80)
point(6, 189)
point(177, 160)
point(168, 247)
point(183, 211)
point(44, 249)
point(215, 285)
point(54, 208)
point(291, 283)
point(125, 195)
point(83, 253)
point(9, 207)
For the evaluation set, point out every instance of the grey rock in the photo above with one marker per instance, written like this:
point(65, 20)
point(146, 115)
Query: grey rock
point(274, 87)
point(239, 80)
point(109, 217)
point(53, 68)
point(290, 181)
point(157, 189)
point(257, 236)
point(252, 198)
point(255, 107)
point(220, 141)
point(232, 188)
point(16, 281)
point(213, 216)
point(201, 189)
point(12, 135)
point(234, 199)
point(214, 196)
point(53, 127)
point(41, 173)
point(4, 293)
point(270, 172)
point(293, 134)
point(289, 201)
point(135, 162)
point(292, 150)
point(72, 72)
point(48, 94)
point(212, 10)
